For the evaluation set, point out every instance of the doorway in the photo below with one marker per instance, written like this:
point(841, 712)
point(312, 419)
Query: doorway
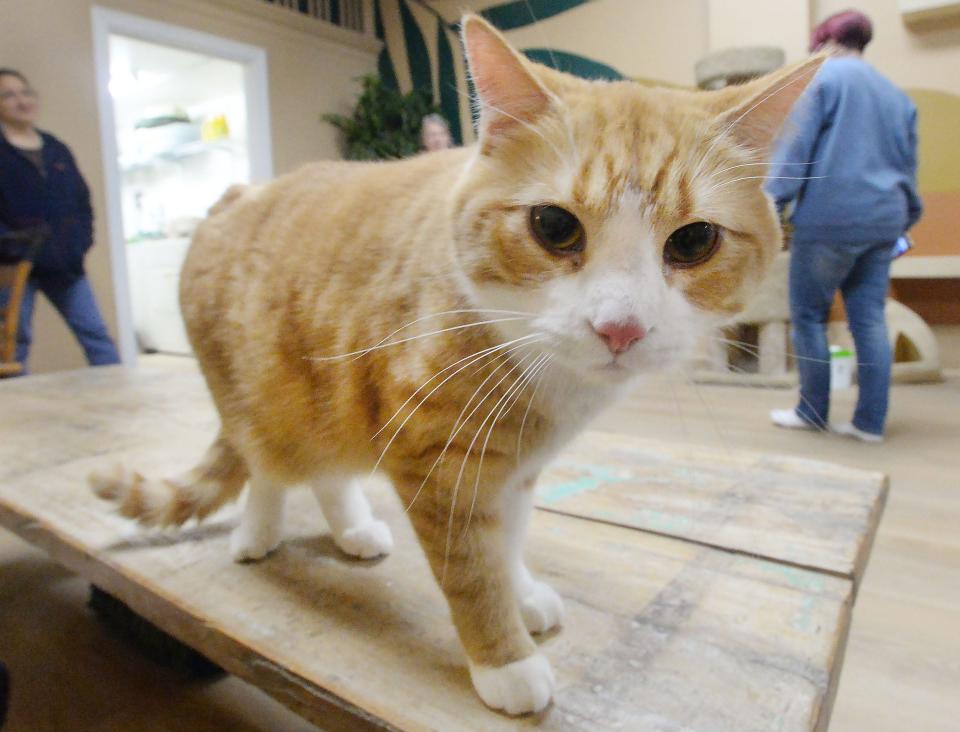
point(183, 117)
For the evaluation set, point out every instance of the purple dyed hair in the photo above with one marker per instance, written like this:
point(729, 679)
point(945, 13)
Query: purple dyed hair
point(851, 28)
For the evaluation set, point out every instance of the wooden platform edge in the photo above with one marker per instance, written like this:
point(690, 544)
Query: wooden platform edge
point(870, 536)
point(318, 705)
point(862, 558)
point(825, 712)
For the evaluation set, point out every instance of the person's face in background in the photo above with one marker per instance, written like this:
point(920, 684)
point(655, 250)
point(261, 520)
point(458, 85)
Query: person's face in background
point(18, 102)
point(436, 136)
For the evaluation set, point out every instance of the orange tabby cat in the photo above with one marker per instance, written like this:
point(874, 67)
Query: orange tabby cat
point(451, 320)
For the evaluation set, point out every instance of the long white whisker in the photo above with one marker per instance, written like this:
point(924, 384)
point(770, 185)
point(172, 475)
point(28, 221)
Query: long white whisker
point(457, 426)
point(713, 419)
point(364, 351)
point(752, 350)
point(482, 352)
point(488, 353)
point(723, 133)
point(772, 94)
point(543, 36)
point(508, 401)
point(456, 488)
point(458, 311)
point(753, 165)
point(479, 103)
point(721, 184)
point(526, 412)
point(820, 425)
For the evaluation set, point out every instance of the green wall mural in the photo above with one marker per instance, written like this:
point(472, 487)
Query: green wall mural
point(411, 50)
point(520, 13)
point(573, 63)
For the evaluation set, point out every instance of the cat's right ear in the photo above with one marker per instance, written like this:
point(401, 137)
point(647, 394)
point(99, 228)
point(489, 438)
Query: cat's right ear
point(507, 91)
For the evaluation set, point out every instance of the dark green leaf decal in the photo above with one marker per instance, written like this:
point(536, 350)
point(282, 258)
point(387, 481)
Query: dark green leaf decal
point(519, 13)
point(585, 68)
point(417, 55)
point(384, 63)
point(447, 77)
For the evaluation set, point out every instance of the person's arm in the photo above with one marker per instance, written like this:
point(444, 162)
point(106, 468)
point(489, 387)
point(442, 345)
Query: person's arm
point(914, 202)
point(84, 211)
point(4, 207)
point(792, 161)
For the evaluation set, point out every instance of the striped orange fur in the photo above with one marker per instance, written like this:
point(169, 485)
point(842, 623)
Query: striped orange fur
point(404, 316)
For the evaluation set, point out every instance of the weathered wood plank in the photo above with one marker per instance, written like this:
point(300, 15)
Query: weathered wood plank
point(802, 512)
point(661, 633)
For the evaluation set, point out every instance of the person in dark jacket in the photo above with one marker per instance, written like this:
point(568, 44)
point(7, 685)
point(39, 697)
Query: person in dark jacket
point(41, 186)
point(850, 172)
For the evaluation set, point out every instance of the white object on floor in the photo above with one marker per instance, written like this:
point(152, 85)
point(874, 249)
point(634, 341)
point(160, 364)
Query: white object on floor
point(847, 429)
point(790, 419)
point(842, 364)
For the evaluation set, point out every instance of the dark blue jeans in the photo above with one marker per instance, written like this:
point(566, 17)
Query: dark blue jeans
point(861, 271)
point(75, 302)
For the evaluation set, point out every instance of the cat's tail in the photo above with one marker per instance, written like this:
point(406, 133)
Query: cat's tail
point(218, 479)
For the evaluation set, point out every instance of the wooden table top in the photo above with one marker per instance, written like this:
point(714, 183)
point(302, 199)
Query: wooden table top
point(705, 590)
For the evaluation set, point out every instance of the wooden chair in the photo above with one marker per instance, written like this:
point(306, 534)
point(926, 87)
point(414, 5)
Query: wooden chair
point(13, 277)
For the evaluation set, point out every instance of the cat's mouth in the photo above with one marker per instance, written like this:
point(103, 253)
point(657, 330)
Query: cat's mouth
point(614, 365)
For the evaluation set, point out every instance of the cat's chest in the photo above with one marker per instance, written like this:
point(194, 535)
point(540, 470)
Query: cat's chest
point(564, 407)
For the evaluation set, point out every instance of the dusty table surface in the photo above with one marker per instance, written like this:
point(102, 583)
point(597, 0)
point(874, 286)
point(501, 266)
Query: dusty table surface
point(705, 591)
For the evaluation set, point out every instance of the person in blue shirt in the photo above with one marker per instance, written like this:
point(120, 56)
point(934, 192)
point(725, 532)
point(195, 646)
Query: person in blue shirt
point(848, 167)
point(41, 186)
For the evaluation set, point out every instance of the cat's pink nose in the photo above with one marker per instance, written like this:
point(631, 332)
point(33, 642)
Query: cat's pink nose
point(620, 336)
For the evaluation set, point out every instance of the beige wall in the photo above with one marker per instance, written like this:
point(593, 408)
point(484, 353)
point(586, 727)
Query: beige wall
point(924, 56)
point(784, 24)
point(652, 39)
point(658, 40)
point(312, 69)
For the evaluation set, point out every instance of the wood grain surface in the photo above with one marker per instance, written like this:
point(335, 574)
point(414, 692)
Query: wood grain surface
point(703, 625)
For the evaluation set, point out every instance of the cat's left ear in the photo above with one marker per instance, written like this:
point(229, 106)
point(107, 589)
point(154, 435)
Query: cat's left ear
point(508, 93)
point(762, 106)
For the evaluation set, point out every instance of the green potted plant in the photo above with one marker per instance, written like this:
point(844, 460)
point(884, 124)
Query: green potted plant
point(385, 123)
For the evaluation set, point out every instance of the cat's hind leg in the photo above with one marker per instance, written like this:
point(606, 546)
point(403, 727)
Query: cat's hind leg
point(355, 529)
point(540, 605)
point(261, 525)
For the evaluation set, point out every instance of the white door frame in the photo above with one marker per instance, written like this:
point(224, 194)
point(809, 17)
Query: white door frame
point(254, 60)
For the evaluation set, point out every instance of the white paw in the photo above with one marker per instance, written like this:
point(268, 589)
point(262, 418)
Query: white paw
point(517, 688)
point(541, 608)
point(370, 540)
point(250, 544)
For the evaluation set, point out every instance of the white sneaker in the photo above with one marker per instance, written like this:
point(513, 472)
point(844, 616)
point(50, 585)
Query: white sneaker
point(847, 429)
point(790, 419)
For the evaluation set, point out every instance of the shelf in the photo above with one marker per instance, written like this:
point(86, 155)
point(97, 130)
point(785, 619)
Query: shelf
point(186, 150)
point(917, 268)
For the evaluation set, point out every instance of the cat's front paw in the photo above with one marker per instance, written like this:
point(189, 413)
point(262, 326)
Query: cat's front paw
point(370, 540)
point(249, 544)
point(541, 608)
point(517, 688)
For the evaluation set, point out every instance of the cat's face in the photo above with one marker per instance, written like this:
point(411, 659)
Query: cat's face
point(613, 213)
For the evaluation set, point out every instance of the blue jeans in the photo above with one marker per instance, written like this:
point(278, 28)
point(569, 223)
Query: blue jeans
point(75, 302)
point(861, 271)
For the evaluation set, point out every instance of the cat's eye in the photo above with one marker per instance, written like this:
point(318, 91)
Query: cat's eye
point(691, 245)
point(556, 229)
